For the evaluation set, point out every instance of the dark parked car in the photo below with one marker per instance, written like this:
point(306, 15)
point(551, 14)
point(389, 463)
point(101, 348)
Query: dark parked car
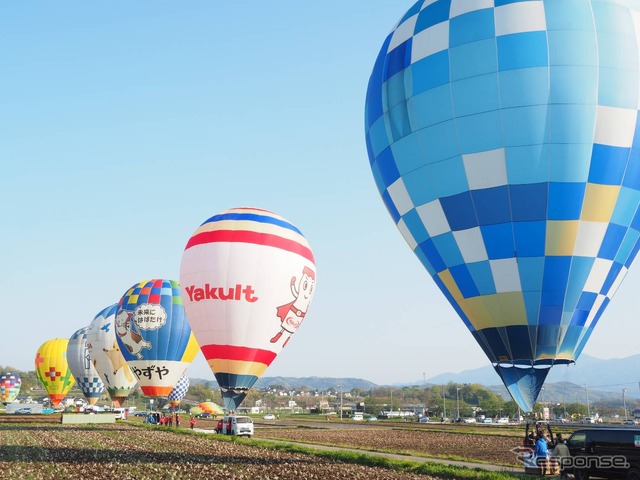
point(204, 415)
point(605, 452)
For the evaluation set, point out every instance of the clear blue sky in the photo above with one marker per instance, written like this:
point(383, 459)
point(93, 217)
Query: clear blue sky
point(124, 125)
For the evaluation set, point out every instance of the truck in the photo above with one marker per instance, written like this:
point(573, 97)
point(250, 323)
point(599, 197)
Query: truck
point(24, 408)
point(239, 425)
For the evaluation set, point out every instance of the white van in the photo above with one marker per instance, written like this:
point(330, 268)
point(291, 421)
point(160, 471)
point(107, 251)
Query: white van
point(120, 413)
point(357, 416)
point(239, 425)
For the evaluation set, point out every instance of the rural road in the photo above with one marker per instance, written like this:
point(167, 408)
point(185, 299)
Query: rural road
point(392, 456)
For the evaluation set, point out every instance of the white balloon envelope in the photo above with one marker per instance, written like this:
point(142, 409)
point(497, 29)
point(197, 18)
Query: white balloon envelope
point(247, 279)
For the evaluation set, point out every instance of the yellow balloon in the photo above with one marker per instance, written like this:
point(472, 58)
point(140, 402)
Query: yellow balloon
point(52, 369)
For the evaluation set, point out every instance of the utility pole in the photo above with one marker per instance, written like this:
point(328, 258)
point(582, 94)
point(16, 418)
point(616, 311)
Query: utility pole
point(457, 403)
point(586, 393)
point(624, 402)
point(340, 387)
point(444, 403)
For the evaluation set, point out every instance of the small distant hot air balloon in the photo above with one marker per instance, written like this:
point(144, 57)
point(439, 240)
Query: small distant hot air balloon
point(154, 335)
point(10, 384)
point(106, 356)
point(247, 277)
point(503, 138)
point(179, 391)
point(53, 370)
point(207, 407)
point(83, 370)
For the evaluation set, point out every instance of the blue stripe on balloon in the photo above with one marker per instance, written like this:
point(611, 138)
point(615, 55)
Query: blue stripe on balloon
point(430, 72)
point(482, 277)
point(608, 164)
point(528, 164)
point(532, 305)
point(473, 59)
point(464, 281)
point(565, 200)
point(466, 100)
point(416, 226)
point(569, 163)
point(433, 14)
point(492, 205)
point(612, 240)
point(415, 9)
point(611, 277)
point(522, 50)
point(471, 27)
point(431, 253)
point(374, 98)
point(519, 341)
point(530, 238)
point(432, 106)
point(459, 211)
point(393, 211)
point(528, 202)
point(448, 249)
point(533, 81)
point(397, 60)
point(253, 217)
point(630, 239)
point(498, 240)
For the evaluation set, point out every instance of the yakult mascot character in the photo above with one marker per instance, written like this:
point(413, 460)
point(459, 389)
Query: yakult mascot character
point(292, 314)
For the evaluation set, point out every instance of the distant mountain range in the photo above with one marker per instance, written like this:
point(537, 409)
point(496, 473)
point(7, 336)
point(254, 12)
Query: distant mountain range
point(314, 383)
point(591, 377)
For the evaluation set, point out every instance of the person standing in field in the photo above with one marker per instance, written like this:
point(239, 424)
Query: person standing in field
point(561, 454)
point(192, 422)
point(177, 420)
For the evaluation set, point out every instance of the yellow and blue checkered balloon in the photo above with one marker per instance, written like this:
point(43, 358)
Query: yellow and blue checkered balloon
point(503, 138)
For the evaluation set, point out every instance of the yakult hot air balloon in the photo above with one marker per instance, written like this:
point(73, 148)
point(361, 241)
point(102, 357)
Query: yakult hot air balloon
point(52, 369)
point(81, 367)
point(107, 358)
point(247, 278)
point(154, 335)
point(10, 384)
point(503, 138)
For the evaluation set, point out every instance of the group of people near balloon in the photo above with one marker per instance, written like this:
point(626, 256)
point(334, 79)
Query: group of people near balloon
point(246, 281)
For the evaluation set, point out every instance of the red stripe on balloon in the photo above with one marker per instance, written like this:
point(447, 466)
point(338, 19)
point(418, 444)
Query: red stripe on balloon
point(243, 236)
point(231, 352)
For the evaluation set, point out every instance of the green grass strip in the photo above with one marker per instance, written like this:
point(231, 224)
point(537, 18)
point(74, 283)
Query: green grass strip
point(433, 469)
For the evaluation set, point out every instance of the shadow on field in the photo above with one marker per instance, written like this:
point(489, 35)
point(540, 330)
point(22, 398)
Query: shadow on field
point(16, 453)
point(8, 428)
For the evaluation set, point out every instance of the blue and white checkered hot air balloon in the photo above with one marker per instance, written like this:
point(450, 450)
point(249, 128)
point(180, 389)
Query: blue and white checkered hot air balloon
point(81, 367)
point(502, 136)
point(179, 391)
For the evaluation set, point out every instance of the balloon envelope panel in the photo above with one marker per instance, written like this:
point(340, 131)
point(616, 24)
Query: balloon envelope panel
point(81, 367)
point(179, 391)
point(247, 277)
point(53, 370)
point(154, 335)
point(107, 358)
point(503, 142)
point(10, 384)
